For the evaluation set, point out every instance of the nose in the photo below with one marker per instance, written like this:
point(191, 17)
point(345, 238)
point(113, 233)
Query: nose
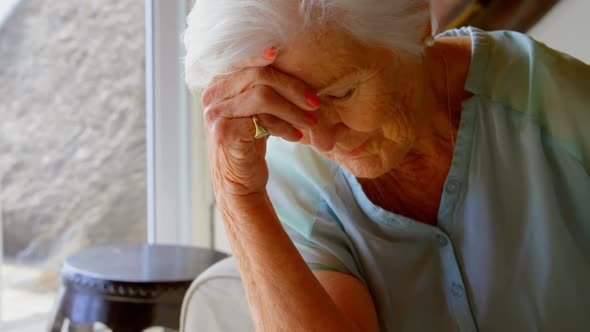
point(322, 141)
point(324, 135)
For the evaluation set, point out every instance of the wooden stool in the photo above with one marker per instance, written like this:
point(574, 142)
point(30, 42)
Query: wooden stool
point(129, 287)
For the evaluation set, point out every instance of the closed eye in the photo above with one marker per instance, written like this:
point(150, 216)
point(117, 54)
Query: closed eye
point(343, 96)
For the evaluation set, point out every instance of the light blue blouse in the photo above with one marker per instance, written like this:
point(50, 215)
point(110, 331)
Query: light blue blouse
point(511, 251)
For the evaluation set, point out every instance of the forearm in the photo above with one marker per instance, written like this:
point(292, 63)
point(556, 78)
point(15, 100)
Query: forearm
point(282, 292)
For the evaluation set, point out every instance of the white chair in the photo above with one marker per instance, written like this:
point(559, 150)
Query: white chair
point(216, 301)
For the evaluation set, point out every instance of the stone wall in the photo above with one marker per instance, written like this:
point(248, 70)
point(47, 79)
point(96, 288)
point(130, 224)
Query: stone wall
point(72, 128)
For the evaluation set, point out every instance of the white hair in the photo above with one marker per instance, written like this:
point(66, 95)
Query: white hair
point(223, 33)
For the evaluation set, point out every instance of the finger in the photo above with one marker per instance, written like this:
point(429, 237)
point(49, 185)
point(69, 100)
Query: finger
point(261, 100)
point(239, 130)
point(279, 128)
point(266, 58)
point(217, 92)
point(290, 88)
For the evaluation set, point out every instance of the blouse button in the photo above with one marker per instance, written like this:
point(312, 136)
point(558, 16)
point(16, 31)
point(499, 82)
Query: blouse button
point(442, 240)
point(457, 290)
point(453, 186)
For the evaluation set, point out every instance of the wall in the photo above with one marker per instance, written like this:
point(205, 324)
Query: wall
point(566, 28)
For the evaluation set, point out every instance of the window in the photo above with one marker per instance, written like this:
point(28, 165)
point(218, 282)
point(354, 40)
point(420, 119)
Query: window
point(72, 141)
point(100, 141)
point(180, 198)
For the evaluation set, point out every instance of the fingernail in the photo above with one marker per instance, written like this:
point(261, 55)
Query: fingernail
point(312, 99)
point(270, 52)
point(311, 119)
point(298, 133)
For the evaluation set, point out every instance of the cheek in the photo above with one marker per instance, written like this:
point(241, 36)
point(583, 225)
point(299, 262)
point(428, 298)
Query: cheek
point(373, 106)
point(305, 139)
point(367, 115)
point(399, 130)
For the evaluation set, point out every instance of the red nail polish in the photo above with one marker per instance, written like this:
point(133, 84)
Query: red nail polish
point(270, 52)
point(312, 119)
point(298, 133)
point(312, 99)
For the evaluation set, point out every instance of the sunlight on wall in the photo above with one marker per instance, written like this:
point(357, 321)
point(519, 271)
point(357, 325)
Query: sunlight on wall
point(566, 28)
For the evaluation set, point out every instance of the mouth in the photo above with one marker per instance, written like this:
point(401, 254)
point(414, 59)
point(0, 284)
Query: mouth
point(356, 151)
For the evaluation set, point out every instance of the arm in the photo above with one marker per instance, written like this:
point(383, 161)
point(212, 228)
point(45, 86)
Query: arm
point(283, 293)
point(352, 297)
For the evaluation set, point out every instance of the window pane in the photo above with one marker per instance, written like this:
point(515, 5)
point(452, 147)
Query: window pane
point(72, 141)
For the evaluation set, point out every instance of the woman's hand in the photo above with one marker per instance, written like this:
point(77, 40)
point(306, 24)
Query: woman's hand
point(283, 105)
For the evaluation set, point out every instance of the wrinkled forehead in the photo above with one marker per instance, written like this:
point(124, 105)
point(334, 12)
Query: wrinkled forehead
point(321, 59)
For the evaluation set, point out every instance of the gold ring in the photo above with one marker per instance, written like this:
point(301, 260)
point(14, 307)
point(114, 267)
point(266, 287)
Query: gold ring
point(260, 131)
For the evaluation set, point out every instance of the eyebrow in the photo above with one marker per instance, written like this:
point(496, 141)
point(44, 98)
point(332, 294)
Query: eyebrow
point(335, 82)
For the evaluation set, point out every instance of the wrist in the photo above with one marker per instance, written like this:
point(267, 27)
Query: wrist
point(251, 214)
point(241, 205)
point(250, 198)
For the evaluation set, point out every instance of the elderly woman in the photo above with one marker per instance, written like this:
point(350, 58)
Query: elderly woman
point(413, 183)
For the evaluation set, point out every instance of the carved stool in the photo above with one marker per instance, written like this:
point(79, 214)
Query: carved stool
point(128, 288)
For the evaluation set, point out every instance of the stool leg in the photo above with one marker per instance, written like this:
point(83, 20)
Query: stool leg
point(57, 323)
point(89, 327)
point(57, 317)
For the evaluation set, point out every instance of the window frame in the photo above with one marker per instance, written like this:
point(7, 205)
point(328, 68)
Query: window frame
point(180, 202)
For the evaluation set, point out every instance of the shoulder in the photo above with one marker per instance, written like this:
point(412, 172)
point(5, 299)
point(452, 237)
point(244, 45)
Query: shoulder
point(526, 73)
point(297, 178)
point(547, 87)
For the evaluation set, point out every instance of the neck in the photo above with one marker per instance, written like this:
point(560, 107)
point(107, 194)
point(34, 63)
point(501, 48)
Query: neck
point(414, 188)
point(447, 65)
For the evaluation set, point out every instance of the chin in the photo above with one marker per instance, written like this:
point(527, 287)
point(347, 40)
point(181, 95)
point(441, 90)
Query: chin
point(370, 167)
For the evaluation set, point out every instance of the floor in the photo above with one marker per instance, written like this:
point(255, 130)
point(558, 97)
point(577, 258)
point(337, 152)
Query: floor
point(38, 323)
point(20, 303)
point(24, 310)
